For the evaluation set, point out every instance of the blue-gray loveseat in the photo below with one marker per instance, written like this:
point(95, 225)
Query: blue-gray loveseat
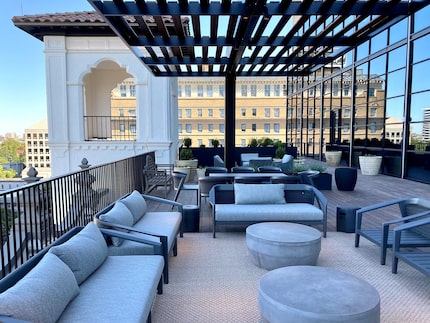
point(75, 280)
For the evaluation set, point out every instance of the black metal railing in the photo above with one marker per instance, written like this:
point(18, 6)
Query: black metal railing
point(35, 215)
point(110, 128)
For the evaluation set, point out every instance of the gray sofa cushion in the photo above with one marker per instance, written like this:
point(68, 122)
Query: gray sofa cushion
point(268, 212)
point(43, 294)
point(84, 252)
point(259, 193)
point(122, 290)
point(136, 203)
point(118, 214)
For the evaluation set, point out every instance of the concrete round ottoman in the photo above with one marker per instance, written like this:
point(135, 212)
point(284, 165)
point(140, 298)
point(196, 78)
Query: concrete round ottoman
point(280, 244)
point(316, 294)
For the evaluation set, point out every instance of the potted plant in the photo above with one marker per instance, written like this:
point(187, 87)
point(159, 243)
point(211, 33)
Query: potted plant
point(253, 142)
point(187, 142)
point(333, 157)
point(215, 143)
point(186, 160)
point(370, 164)
point(279, 152)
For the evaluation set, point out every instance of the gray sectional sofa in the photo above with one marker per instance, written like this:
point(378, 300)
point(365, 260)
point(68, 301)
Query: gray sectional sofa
point(75, 280)
point(253, 203)
point(130, 214)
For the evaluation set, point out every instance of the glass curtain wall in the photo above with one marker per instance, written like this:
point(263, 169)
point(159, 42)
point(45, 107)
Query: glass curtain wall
point(374, 99)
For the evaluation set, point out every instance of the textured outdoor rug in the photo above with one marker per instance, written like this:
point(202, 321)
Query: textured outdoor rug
point(214, 280)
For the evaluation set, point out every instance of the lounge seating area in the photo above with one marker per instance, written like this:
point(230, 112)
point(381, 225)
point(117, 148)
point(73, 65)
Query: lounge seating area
point(200, 256)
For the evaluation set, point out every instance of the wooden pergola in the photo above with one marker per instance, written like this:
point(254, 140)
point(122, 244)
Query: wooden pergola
point(246, 38)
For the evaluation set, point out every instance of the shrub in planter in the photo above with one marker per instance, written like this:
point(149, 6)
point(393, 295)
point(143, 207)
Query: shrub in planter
point(187, 142)
point(280, 152)
point(215, 143)
point(186, 154)
point(253, 142)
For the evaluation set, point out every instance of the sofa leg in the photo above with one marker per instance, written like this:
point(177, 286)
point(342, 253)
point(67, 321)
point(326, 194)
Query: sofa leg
point(149, 319)
point(175, 248)
point(160, 286)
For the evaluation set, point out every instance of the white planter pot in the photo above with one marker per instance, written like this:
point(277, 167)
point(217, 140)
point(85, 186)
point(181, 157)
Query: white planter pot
point(191, 163)
point(370, 165)
point(332, 158)
point(185, 170)
point(200, 172)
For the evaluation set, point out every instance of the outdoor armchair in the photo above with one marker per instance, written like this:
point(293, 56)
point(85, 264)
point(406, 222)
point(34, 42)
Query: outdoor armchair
point(411, 209)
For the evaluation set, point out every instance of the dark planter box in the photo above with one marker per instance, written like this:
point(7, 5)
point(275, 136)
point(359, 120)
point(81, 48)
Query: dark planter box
point(323, 181)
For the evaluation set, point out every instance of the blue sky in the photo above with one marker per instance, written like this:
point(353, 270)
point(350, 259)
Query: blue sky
point(22, 74)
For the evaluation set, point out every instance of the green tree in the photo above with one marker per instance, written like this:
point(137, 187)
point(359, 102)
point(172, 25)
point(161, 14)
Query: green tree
point(7, 173)
point(11, 150)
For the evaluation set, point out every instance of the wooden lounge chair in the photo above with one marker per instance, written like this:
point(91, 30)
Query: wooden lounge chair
point(157, 175)
point(411, 209)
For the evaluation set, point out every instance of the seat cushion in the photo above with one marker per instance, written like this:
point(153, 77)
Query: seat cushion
point(295, 212)
point(84, 252)
point(121, 290)
point(136, 203)
point(43, 294)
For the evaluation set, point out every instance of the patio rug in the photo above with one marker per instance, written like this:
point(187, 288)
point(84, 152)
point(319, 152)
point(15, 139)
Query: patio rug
point(214, 280)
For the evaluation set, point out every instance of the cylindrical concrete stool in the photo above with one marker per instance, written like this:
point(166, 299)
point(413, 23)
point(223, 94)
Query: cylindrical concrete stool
point(191, 219)
point(314, 294)
point(345, 178)
point(279, 244)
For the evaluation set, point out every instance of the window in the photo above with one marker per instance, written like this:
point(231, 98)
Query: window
point(123, 90)
point(244, 90)
point(346, 127)
point(179, 113)
point(221, 90)
point(371, 91)
point(199, 127)
point(179, 128)
point(267, 112)
point(210, 127)
point(267, 90)
point(311, 111)
point(243, 112)
point(373, 112)
point(243, 127)
point(188, 128)
point(254, 112)
point(121, 112)
point(243, 142)
point(179, 90)
point(132, 112)
point(221, 128)
point(200, 142)
point(335, 89)
point(133, 128)
point(277, 90)
point(290, 112)
point(188, 113)
point(347, 112)
point(199, 90)
point(372, 127)
point(199, 112)
point(276, 112)
point(253, 90)
point(210, 112)
point(346, 89)
point(221, 113)
point(254, 127)
point(209, 90)
point(132, 90)
point(276, 127)
point(267, 127)
point(188, 91)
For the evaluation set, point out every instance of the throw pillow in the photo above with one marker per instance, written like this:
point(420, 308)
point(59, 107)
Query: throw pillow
point(118, 214)
point(259, 193)
point(286, 158)
point(42, 294)
point(84, 252)
point(136, 204)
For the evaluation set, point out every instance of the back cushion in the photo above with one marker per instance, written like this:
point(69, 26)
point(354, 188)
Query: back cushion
point(118, 214)
point(42, 294)
point(136, 204)
point(84, 252)
point(259, 193)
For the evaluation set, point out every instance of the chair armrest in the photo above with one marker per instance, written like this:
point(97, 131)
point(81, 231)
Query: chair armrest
point(161, 200)
point(406, 218)
point(414, 224)
point(374, 207)
point(137, 238)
